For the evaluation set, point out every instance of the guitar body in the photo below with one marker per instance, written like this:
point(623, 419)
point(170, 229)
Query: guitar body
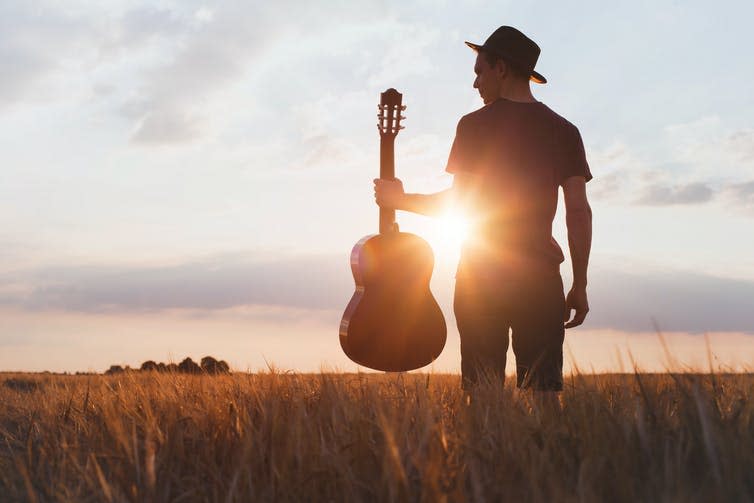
point(393, 322)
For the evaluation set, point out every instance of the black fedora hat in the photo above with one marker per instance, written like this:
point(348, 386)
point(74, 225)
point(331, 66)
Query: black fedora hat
point(521, 51)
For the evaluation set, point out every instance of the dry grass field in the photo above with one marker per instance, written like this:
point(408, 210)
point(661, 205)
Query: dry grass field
point(369, 437)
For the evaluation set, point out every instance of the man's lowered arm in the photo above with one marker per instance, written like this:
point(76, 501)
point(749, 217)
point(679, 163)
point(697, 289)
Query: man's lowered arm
point(579, 223)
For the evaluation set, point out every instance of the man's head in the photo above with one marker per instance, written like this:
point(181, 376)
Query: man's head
point(495, 76)
point(514, 50)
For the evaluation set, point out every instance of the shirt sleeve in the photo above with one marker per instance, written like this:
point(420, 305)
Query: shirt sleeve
point(574, 159)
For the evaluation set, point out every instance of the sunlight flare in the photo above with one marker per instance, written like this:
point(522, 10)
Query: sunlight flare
point(449, 232)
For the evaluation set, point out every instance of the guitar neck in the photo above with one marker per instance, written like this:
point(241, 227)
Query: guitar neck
point(387, 172)
point(389, 124)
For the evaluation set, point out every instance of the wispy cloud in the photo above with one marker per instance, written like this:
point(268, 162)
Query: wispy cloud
point(616, 168)
point(177, 60)
point(742, 195)
point(741, 143)
point(667, 195)
point(33, 45)
point(405, 54)
point(43, 46)
point(237, 41)
point(165, 125)
point(143, 24)
point(693, 163)
point(215, 52)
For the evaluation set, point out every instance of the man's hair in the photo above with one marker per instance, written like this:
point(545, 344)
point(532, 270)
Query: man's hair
point(493, 58)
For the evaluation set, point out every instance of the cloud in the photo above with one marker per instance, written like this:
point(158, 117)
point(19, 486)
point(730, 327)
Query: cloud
point(709, 148)
point(607, 187)
point(212, 54)
point(142, 24)
point(741, 195)
point(236, 43)
point(328, 151)
point(405, 54)
point(217, 283)
point(742, 144)
point(162, 126)
point(617, 170)
point(175, 72)
point(43, 47)
point(692, 163)
point(614, 156)
point(667, 195)
point(678, 301)
point(33, 43)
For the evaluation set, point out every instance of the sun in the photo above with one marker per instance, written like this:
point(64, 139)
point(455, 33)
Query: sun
point(450, 231)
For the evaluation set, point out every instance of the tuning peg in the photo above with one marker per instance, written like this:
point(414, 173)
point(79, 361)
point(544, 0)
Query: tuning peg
point(402, 118)
point(403, 107)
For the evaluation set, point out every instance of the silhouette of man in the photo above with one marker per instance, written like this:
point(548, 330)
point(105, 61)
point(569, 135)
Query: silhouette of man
point(509, 159)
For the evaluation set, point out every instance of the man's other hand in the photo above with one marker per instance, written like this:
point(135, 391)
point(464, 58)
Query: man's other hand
point(388, 193)
point(576, 300)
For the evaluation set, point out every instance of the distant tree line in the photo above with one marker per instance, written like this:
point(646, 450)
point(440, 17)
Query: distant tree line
point(208, 365)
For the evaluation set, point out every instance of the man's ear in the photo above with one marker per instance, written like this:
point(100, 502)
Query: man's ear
point(500, 66)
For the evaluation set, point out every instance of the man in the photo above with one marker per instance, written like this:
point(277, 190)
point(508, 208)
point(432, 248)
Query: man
point(508, 160)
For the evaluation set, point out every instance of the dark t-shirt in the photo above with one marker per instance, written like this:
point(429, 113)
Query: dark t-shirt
point(514, 157)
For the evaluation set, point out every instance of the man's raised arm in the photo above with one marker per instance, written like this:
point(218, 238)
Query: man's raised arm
point(579, 222)
point(390, 194)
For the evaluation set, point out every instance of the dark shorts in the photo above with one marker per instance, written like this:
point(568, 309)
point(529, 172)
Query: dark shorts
point(532, 309)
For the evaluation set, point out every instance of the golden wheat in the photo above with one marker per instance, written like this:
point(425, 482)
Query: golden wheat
point(368, 437)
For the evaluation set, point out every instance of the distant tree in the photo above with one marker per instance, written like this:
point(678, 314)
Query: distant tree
point(189, 366)
point(171, 367)
point(161, 367)
point(114, 369)
point(211, 366)
point(149, 366)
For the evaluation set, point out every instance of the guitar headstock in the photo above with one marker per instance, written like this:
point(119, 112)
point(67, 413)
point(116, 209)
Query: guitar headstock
point(389, 115)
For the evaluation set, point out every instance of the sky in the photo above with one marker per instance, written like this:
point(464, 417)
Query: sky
point(182, 178)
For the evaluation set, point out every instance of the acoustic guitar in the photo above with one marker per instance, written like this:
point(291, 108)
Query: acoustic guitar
point(392, 322)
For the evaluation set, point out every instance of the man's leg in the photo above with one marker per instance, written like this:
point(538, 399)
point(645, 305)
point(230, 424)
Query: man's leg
point(484, 337)
point(538, 335)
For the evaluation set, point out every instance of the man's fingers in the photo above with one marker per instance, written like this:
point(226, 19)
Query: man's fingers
point(577, 320)
point(377, 189)
point(573, 323)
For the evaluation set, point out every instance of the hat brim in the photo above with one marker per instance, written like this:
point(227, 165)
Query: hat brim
point(534, 77)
